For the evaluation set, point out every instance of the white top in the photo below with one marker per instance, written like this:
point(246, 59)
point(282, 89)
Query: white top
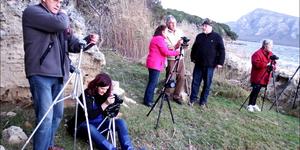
point(172, 39)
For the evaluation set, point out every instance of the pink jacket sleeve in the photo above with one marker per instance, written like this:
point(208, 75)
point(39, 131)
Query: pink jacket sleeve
point(163, 48)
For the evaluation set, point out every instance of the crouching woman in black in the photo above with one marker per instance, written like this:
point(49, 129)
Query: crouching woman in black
point(98, 97)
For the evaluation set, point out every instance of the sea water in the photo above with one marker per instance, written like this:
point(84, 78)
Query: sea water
point(288, 60)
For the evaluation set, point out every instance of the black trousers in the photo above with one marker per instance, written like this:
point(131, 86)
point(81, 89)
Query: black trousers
point(254, 93)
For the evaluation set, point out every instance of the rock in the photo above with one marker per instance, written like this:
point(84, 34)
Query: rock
point(2, 147)
point(14, 135)
point(8, 114)
point(127, 99)
point(116, 88)
point(11, 114)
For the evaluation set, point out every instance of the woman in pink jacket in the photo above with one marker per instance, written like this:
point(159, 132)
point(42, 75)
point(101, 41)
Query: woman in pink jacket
point(158, 51)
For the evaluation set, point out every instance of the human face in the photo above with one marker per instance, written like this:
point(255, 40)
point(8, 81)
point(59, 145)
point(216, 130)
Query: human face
point(102, 90)
point(171, 25)
point(206, 28)
point(269, 47)
point(53, 5)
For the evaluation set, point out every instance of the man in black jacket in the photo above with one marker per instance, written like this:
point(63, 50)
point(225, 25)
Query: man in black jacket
point(207, 53)
point(47, 65)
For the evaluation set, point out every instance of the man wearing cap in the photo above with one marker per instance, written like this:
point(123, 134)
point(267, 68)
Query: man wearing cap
point(174, 41)
point(207, 53)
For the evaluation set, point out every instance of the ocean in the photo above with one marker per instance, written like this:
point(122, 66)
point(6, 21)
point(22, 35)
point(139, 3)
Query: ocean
point(288, 60)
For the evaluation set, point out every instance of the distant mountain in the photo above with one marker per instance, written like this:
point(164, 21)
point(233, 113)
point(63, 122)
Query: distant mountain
point(260, 23)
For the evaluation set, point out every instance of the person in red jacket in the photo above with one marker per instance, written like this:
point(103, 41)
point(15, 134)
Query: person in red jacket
point(261, 69)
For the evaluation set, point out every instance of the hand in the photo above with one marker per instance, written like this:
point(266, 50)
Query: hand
point(63, 11)
point(110, 99)
point(219, 66)
point(94, 38)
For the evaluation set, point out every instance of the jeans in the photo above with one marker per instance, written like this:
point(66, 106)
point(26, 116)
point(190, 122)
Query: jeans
point(152, 82)
point(44, 90)
point(254, 93)
point(199, 74)
point(100, 141)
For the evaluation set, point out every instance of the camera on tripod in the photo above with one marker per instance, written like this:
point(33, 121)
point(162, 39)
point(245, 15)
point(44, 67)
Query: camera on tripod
point(274, 57)
point(185, 41)
point(113, 109)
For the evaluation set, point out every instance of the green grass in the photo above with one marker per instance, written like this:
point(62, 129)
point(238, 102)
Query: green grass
point(221, 126)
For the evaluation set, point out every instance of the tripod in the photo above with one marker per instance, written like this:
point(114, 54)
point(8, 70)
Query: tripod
point(77, 89)
point(163, 96)
point(111, 130)
point(268, 70)
point(289, 81)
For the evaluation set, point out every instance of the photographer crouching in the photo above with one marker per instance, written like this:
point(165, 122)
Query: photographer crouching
point(263, 63)
point(101, 103)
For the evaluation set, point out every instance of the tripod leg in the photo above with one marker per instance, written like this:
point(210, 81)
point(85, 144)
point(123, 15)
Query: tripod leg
point(170, 110)
point(49, 109)
point(114, 132)
point(276, 98)
point(296, 95)
point(160, 108)
point(85, 112)
point(263, 100)
point(160, 95)
point(244, 103)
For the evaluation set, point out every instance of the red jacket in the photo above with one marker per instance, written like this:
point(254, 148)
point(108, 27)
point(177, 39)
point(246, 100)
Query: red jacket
point(259, 73)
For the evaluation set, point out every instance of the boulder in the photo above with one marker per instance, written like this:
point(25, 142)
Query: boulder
point(14, 135)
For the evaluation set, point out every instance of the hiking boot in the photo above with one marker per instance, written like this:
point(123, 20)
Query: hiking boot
point(256, 108)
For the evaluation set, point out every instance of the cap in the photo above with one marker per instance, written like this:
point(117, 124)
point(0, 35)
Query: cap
point(207, 22)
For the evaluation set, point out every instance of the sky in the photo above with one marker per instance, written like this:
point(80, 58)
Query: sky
point(231, 10)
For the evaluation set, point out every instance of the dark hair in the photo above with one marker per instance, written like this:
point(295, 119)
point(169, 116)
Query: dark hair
point(101, 80)
point(159, 30)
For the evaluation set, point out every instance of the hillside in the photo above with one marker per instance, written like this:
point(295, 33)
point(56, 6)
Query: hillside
point(221, 126)
point(124, 26)
point(261, 23)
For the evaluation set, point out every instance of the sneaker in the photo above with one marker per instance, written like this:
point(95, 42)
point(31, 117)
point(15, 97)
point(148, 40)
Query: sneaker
point(250, 108)
point(256, 108)
point(203, 107)
point(191, 104)
point(148, 104)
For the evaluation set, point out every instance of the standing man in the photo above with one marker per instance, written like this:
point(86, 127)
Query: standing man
point(47, 65)
point(207, 53)
point(174, 41)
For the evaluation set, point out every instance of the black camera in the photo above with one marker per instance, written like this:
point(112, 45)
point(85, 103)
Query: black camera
point(274, 57)
point(113, 109)
point(185, 41)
